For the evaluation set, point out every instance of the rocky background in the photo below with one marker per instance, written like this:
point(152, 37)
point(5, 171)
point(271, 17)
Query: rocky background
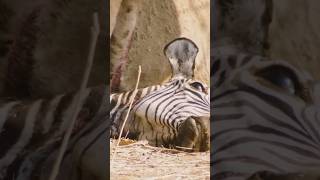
point(280, 29)
point(294, 33)
point(153, 25)
point(44, 46)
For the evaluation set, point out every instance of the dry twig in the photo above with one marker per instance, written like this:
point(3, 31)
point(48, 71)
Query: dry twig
point(127, 115)
point(76, 104)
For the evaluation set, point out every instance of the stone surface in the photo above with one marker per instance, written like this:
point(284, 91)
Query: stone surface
point(158, 23)
point(294, 33)
point(61, 31)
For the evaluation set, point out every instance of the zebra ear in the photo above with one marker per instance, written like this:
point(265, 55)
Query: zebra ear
point(181, 53)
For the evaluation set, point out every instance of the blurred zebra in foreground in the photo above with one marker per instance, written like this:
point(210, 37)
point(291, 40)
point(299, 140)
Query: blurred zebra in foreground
point(265, 117)
point(31, 134)
point(175, 114)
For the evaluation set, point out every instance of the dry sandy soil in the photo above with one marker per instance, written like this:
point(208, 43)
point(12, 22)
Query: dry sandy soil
point(138, 160)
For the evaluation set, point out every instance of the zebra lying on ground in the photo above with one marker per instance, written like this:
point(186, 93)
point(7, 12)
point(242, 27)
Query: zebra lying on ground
point(31, 131)
point(31, 134)
point(265, 117)
point(175, 114)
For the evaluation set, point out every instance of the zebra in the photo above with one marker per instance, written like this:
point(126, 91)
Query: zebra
point(265, 117)
point(174, 114)
point(31, 132)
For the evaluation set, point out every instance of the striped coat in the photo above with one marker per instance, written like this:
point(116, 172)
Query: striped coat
point(31, 134)
point(265, 116)
point(174, 114)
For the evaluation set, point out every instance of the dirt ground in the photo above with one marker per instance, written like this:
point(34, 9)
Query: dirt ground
point(138, 160)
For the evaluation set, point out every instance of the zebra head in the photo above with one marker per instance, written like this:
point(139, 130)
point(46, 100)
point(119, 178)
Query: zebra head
point(177, 113)
point(266, 116)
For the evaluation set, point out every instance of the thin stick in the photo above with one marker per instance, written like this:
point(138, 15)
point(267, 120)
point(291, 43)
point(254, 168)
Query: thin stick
point(127, 115)
point(76, 104)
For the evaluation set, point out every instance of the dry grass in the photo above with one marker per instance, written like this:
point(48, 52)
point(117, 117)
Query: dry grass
point(138, 160)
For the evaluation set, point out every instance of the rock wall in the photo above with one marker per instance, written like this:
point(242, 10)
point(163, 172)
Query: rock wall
point(113, 13)
point(159, 22)
point(281, 29)
point(294, 33)
point(241, 23)
point(194, 23)
point(48, 42)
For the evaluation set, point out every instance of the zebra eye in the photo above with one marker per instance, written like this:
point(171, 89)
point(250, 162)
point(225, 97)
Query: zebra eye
point(281, 77)
point(198, 86)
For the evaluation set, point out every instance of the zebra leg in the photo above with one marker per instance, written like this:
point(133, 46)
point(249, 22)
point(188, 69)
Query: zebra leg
point(193, 134)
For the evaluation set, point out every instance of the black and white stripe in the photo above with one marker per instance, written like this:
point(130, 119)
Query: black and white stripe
point(31, 134)
point(265, 116)
point(120, 102)
point(159, 112)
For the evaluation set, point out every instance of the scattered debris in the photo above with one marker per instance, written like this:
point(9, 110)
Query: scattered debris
point(139, 160)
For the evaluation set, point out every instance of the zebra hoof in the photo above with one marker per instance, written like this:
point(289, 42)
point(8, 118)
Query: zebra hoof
point(194, 134)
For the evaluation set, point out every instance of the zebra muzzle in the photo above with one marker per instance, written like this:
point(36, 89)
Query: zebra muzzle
point(194, 134)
